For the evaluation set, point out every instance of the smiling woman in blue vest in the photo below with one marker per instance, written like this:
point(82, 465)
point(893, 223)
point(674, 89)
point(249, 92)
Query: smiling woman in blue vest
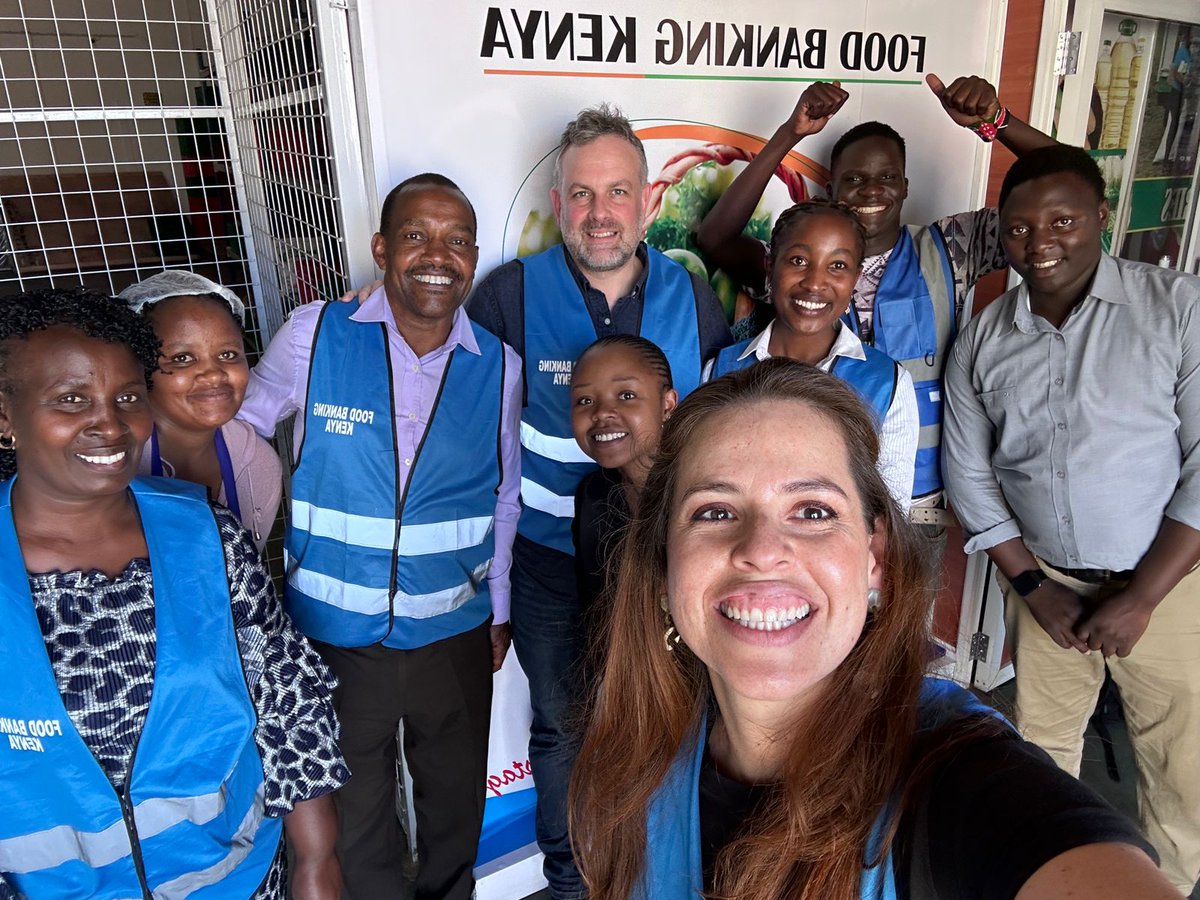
point(771, 734)
point(161, 720)
point(815, 259)
point(914, 279)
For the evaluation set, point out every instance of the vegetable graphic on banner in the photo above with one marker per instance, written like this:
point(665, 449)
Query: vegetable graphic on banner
point(697, 166)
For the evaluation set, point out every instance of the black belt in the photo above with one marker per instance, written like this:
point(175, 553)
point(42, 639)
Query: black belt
point(1096, 576)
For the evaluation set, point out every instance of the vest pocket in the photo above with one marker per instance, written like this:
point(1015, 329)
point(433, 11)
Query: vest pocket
point(898, 329)
point(929, 401)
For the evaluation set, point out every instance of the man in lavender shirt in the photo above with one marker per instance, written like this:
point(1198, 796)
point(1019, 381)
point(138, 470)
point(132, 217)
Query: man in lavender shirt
point(404, 504)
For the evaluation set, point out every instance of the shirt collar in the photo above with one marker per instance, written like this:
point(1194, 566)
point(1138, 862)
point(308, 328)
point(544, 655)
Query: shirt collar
point(758, 344)
point(845, 344)
point(1107, 284)
point(376, 309)
point(1106, 287)
point(585, 285)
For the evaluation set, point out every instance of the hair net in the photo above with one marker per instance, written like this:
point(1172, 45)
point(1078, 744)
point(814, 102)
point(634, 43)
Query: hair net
point(178, 283)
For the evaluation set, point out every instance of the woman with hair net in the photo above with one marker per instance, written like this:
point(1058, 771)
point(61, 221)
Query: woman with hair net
point(196, 393)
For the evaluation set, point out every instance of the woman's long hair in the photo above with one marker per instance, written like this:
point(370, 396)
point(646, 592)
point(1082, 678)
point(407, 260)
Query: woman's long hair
point(848, 756)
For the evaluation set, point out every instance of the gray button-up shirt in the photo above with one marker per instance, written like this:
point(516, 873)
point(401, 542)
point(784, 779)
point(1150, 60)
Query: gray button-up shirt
point(1078, 440)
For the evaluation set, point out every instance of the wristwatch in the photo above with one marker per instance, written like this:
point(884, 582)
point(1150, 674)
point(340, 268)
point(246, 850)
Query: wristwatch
point(1028, 581)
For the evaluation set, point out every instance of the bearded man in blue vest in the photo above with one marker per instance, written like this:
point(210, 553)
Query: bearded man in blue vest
point(601, 280)
point(915, 279)
point(404, 505)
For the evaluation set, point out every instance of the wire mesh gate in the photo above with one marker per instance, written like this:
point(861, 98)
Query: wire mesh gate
point(270, 54)
point(115, 151)
point(114, 160)
point(138, 135)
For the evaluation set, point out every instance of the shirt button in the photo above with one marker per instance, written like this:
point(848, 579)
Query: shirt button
point(1058, 381)
point(607, 320)
point(416, 368)
point(1061, 474)
point(408, 462)
point(1059, 338)
point(412, 415)
point(1062, 426)
point(1066, 520)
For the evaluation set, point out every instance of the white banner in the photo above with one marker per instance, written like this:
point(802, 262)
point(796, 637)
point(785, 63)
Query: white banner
point(481, 93)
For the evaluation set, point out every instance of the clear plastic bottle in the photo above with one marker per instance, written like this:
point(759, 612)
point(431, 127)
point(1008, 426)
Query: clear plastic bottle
point(1135, 74)
point(1118, 95)
point(1104, 73)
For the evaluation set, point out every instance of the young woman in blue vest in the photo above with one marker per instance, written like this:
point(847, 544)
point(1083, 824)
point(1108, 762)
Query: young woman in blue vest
point(161, 720)
point(197, 391)
point(914, 280)
point(771, 734)
point(815, 259)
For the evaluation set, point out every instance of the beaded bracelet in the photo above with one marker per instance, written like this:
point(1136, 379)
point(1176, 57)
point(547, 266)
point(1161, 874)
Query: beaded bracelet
point(988, 130)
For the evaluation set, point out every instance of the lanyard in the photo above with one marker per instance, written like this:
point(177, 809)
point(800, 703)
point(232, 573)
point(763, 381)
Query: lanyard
point(223, 460)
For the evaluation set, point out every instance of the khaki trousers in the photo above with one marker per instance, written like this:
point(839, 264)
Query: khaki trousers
point(1159, 681)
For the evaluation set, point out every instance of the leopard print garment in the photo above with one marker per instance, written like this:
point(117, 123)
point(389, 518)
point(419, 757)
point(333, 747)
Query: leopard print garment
point(99, 633)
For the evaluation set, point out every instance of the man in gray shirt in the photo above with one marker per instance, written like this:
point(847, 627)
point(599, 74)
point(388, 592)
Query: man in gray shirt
point(1070, 456)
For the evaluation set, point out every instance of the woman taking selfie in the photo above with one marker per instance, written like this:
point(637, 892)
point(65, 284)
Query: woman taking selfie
point(163, 721)
point(763, 728)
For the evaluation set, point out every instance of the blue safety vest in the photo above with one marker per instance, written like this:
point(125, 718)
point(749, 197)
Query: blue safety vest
point(190, 821)
point(558, 327)
point(372, 559)
point(873, 378)
point(914, 324)
point(674, 868)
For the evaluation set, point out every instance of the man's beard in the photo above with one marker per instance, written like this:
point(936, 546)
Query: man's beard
point(606, 260)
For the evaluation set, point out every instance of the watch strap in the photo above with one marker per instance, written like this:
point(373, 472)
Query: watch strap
point(1028, 581)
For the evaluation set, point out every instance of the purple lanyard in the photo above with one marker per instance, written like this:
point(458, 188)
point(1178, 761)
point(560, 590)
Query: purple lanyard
point(223, 460)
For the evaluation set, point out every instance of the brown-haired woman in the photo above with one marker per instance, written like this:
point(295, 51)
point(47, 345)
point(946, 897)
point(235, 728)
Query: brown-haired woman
point(779, 740)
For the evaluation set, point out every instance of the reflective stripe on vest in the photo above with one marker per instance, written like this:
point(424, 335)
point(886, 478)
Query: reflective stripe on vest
point(673, 866)
point(195, 790)
point(415, 540)
point(914, 324)
point(364, 565)
point(558, 327)
point(369, 601)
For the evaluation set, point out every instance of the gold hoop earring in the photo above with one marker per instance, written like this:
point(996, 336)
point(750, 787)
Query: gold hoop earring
point(671, 637)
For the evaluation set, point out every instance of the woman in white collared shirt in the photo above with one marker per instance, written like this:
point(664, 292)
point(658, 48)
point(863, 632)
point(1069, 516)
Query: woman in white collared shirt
point(815, 258)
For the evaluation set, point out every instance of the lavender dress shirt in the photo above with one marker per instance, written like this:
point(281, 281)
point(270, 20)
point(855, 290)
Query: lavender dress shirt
point(279, 384)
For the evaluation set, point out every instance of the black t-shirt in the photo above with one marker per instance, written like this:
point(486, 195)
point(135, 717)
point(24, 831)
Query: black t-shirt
point(601, 515)
point(995, 811)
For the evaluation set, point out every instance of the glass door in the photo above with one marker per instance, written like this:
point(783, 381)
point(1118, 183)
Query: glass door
point(1145, 132)
point(1135, 104)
